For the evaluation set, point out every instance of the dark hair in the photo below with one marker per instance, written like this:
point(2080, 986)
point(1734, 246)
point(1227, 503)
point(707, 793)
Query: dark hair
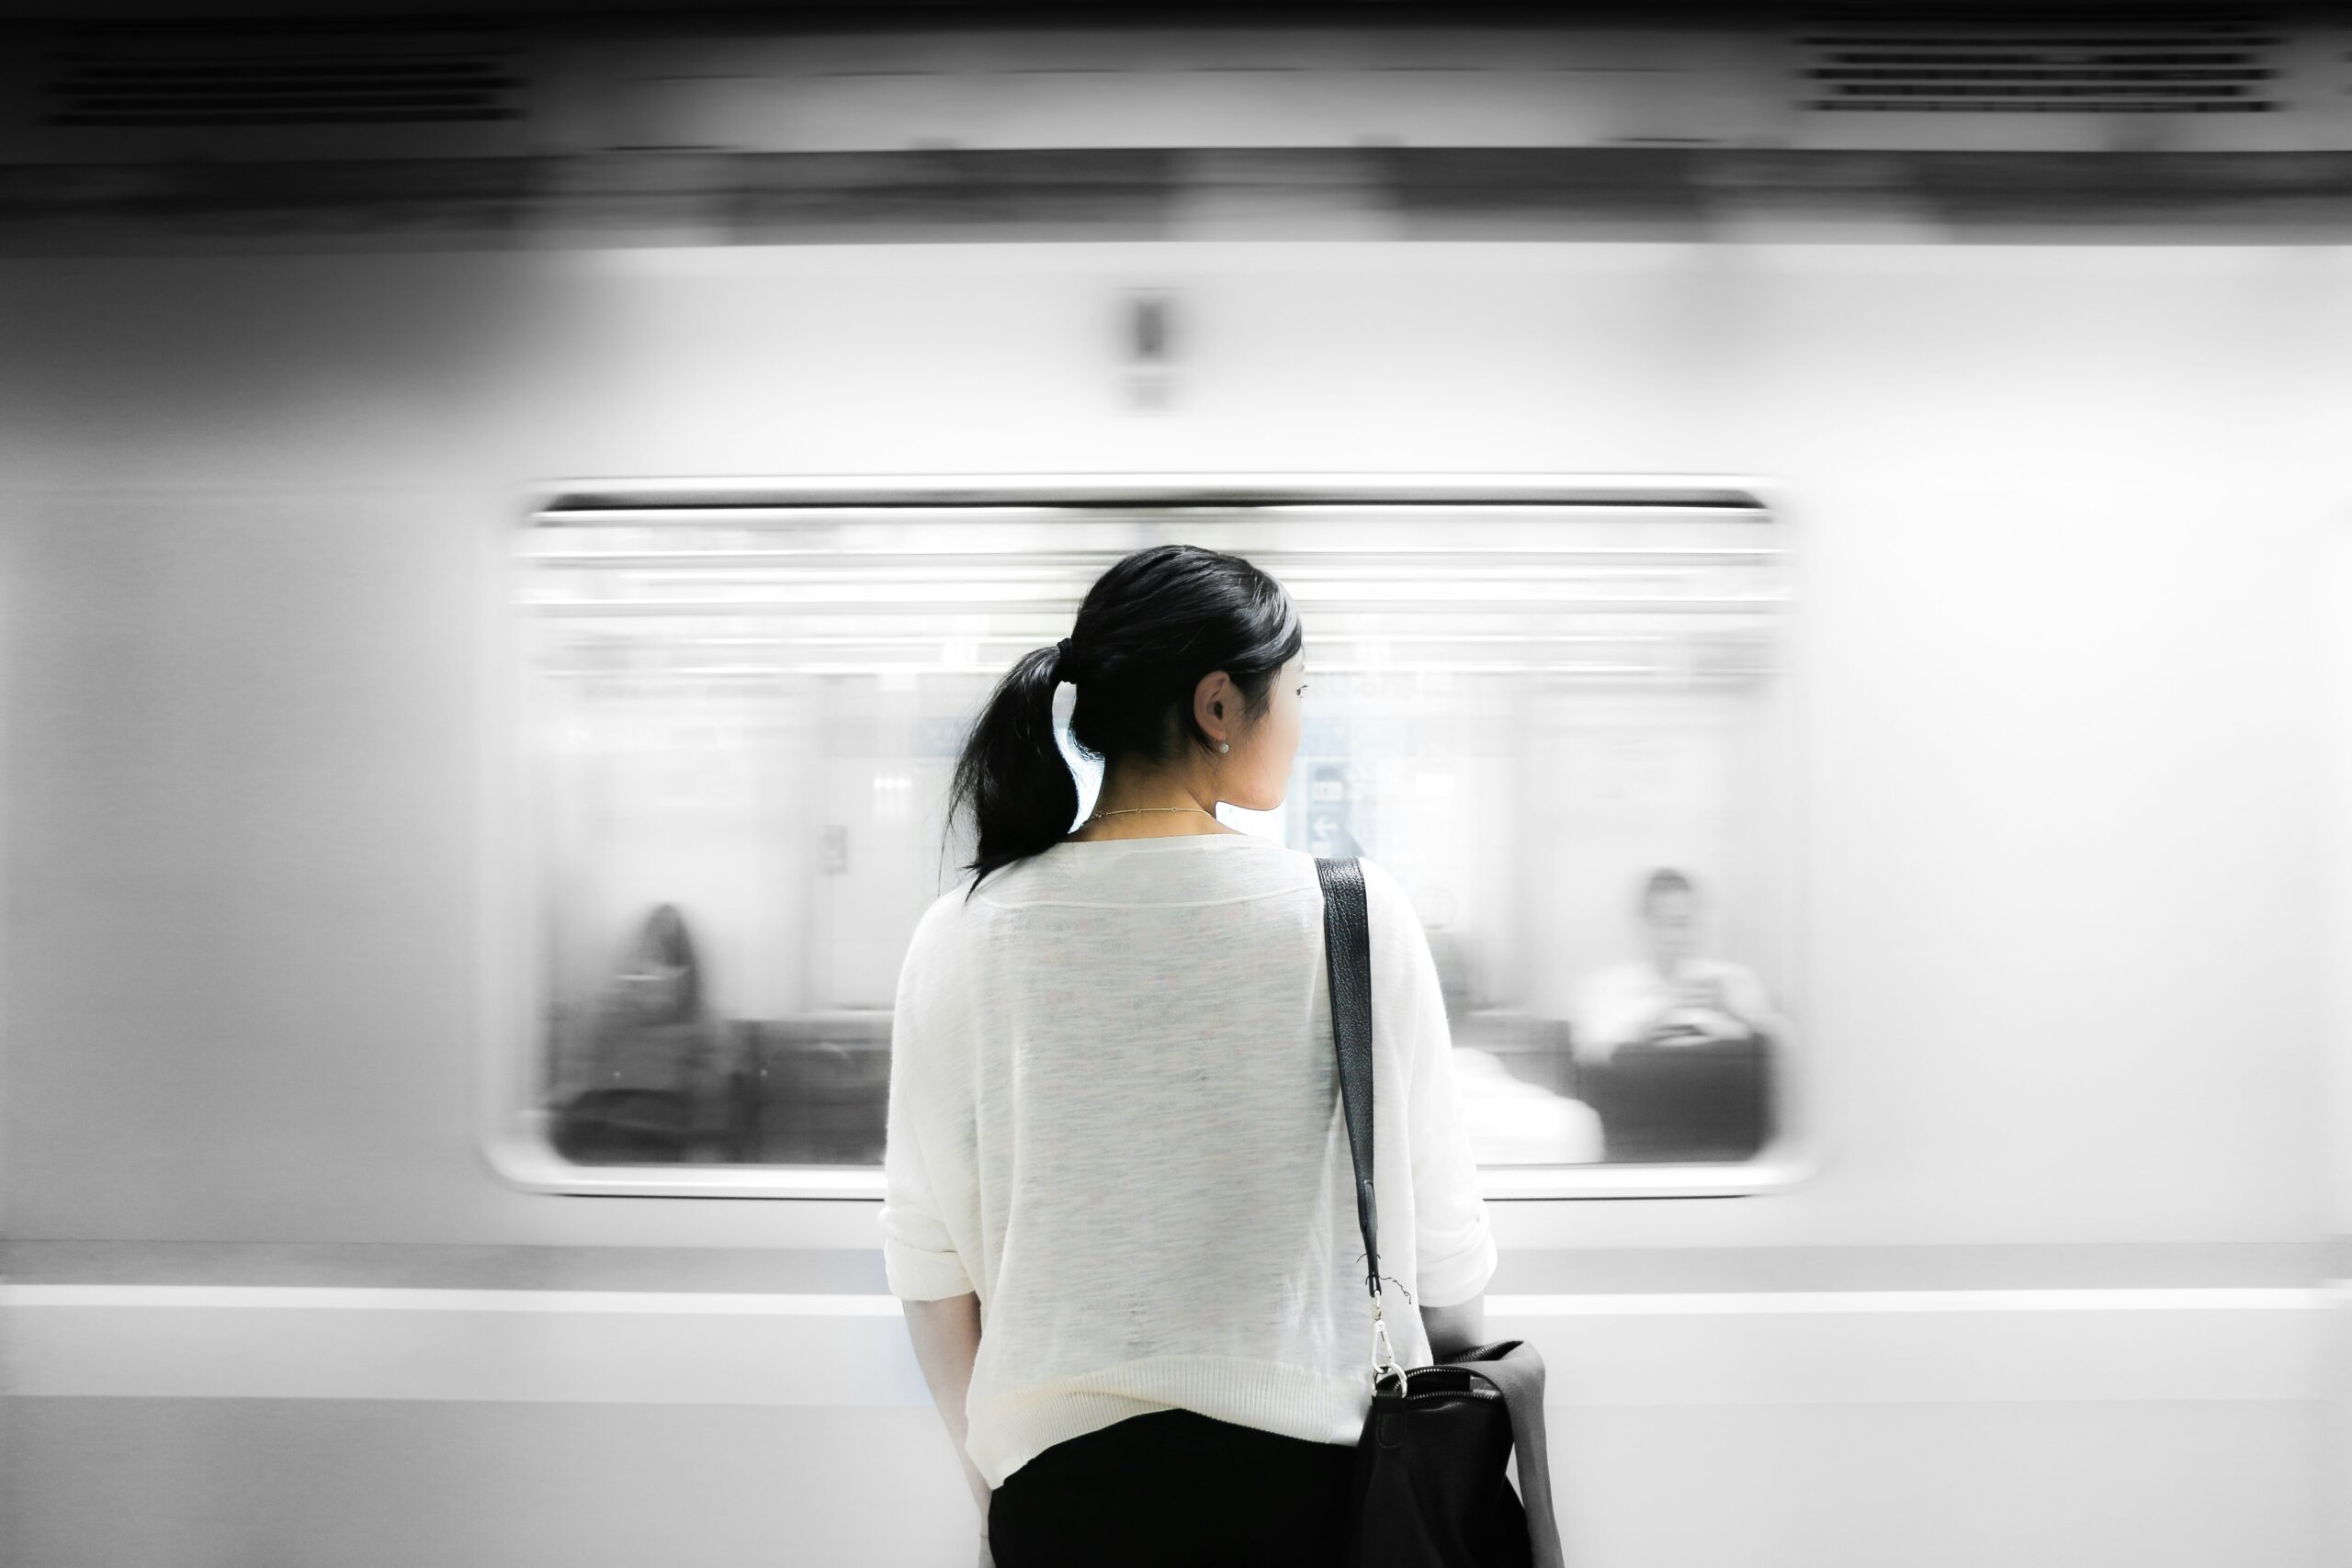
point(1150, 630)
point(663, 939)
point(1664, 880)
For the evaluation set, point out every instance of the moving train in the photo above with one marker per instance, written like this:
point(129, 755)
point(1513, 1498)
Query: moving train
point(500, 542)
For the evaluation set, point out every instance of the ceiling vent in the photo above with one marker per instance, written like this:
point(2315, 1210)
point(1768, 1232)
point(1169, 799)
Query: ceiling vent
point(352, 71)
point(2045, 62)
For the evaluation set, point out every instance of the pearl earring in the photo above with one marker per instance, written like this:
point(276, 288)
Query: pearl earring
point(1223, 747)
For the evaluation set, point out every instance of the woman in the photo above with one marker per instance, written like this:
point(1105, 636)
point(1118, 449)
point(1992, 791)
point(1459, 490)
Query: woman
point(1114, 1121)
point(652, 1091)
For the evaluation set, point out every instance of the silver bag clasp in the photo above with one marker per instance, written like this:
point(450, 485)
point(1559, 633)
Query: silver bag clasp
point(1384, 1354)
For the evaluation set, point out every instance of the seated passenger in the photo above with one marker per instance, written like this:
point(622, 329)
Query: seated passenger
point(650, 1092)
point(1670, 997)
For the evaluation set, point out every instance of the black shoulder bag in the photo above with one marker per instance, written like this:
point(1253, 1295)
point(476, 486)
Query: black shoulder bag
point(1430, 1488)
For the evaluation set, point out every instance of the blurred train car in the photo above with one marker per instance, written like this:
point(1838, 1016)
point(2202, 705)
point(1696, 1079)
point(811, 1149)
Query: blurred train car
point(502, 524)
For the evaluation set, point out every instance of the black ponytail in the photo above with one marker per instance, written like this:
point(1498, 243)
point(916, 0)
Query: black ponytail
point(1149, 629)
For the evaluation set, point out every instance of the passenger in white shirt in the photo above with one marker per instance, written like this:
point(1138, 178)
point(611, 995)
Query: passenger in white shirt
point(1671, 997)
point(1115, 1122)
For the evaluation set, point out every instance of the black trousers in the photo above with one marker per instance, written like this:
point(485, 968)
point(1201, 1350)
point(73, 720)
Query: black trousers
point(1174, 1486)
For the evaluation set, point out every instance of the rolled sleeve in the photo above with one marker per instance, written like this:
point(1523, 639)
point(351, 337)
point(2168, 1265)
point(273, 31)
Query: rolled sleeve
point(1455, 1248)
point(920, 1257)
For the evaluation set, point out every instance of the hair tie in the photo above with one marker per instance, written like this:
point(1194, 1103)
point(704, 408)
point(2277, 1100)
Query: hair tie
point(1061, 651)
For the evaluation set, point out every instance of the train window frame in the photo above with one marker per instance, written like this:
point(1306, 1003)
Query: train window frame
point(511, 1133)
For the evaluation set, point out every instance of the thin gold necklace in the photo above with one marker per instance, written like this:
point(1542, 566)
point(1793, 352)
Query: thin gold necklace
point(1134, 810)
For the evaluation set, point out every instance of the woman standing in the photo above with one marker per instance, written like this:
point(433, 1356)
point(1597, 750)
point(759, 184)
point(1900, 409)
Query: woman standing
point(1115, 1128)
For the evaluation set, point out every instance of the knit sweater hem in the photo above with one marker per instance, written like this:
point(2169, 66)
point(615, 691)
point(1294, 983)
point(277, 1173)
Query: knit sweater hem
point(1007, 1430)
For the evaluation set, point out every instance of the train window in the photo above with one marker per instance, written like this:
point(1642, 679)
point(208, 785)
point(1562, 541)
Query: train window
point(1558, 713)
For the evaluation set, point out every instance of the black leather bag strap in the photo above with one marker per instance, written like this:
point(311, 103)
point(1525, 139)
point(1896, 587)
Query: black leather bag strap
point(1347, 954)
point(1518, 1378)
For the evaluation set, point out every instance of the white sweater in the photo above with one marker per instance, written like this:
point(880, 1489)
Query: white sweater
point(1114, 1113)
